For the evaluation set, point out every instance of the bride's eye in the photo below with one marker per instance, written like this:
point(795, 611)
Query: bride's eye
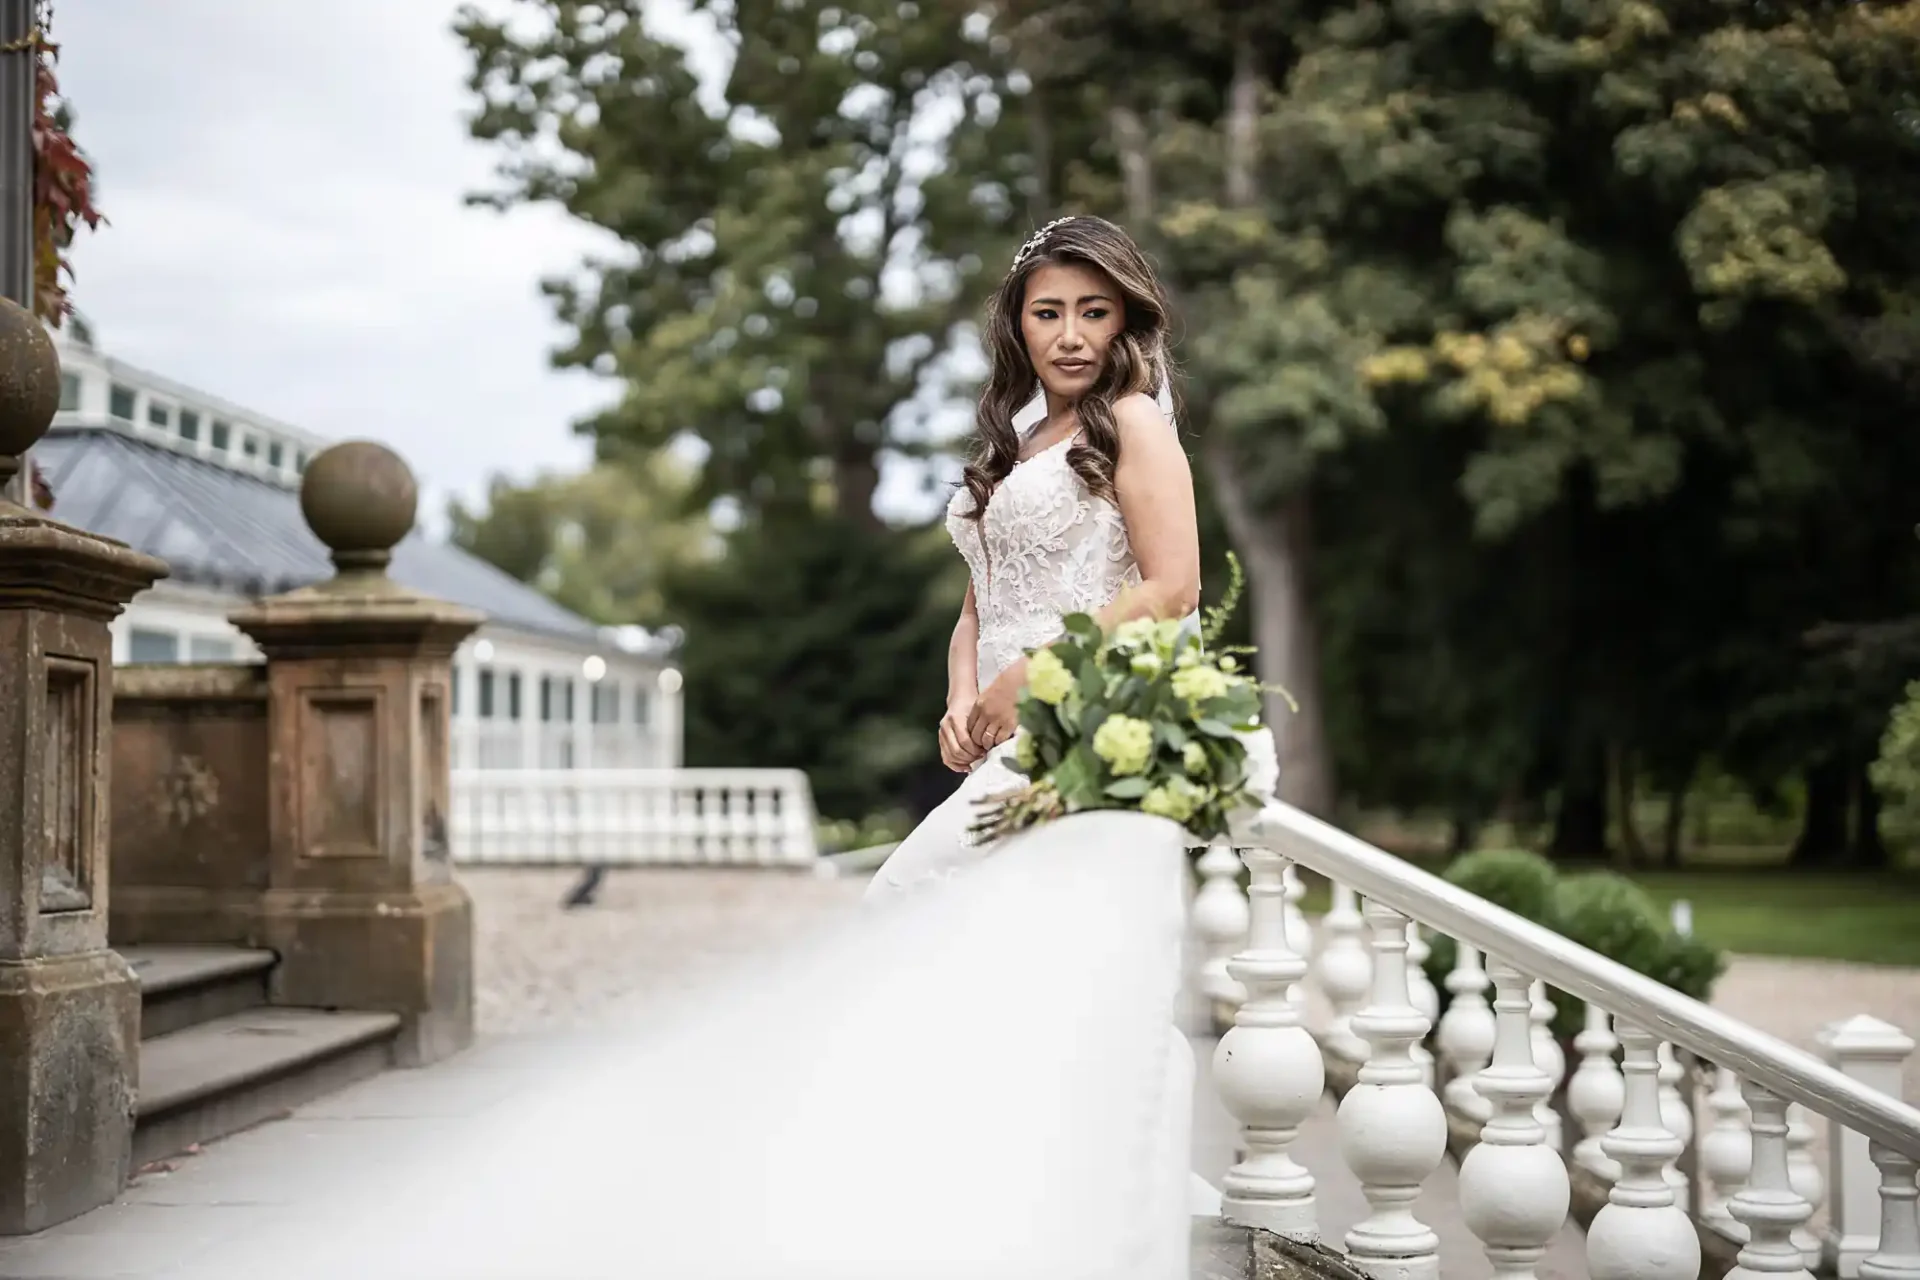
point(1046, 313)
point(1097, 313)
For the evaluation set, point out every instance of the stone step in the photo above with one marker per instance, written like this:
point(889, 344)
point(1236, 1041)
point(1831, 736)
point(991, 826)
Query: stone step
point(235, 1071)
point(183, 986)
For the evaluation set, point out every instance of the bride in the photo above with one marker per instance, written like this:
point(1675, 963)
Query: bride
point(1089, 510)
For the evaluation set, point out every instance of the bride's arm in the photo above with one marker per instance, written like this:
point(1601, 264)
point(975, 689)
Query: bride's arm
point(1154, 484)
point(957, 747)
point(963, 655)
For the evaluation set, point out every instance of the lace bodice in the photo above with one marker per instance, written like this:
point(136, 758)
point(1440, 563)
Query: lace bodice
point(1047, 548)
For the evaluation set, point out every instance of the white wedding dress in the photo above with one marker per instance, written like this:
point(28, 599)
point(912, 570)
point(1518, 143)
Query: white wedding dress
point(1047, 547)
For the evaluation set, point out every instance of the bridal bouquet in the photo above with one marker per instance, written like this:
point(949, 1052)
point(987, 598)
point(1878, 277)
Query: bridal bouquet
point(1151, 717)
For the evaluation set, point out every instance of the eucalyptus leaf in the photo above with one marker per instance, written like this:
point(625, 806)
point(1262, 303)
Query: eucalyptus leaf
point(1214, 728)
point(1129, 788)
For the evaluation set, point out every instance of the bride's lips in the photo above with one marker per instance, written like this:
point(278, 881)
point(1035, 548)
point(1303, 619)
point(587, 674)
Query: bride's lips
point(1073, 366)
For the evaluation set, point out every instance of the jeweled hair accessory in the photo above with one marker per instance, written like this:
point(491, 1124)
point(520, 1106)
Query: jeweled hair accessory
point(1035, 240)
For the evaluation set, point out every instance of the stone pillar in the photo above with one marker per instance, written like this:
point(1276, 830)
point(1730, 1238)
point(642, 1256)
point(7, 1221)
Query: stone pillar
point(361, 903)
point(69, 1006)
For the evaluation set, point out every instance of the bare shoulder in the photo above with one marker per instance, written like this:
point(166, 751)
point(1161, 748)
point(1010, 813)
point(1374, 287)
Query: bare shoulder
point(1139, 416)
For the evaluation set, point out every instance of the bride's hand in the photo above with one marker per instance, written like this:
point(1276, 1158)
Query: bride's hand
point(996, 715)
point(957, 751)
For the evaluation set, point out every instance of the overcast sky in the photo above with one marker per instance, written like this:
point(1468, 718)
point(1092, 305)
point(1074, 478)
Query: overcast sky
point(284, 184)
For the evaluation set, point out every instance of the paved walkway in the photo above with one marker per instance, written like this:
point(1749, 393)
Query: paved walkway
point(556, 985)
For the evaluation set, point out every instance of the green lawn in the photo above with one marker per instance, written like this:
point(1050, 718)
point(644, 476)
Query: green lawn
point(1872, 918)
point(1766, 911)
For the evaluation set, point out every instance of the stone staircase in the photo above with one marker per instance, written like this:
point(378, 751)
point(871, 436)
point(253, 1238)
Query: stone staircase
point(216, 1058)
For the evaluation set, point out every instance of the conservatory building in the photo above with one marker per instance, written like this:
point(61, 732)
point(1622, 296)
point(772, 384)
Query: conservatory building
point(213, 489)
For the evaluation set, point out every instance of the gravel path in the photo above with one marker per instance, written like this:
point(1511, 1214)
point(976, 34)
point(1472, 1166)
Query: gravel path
point(653, 932)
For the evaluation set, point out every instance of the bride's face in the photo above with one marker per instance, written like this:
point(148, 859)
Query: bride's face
point(1070, 317)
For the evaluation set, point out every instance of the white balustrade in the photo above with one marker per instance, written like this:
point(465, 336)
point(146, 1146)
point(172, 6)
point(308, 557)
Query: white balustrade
point(1896, 1254)
point(1267, 1067)
point(1597, 1092)
point(1221, 919)
point(630, 817)
point(1768, 1206)
point(1466, 1034)
point(1344, 972)
point(1393, 1130)
point(1752, 1175)
point(1514, 1190)
point(1725, 1152)
point(1803, 1175)
point(1641, 1233)
point(1873, 1053)
point(1550, 1058)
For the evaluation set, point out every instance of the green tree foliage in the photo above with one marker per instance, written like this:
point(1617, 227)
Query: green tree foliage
point(796, 245)
point(601, 542)
point(1897, 769)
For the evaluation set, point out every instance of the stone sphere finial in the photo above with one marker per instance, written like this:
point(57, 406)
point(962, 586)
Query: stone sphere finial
point(360, 499)
point(29, 384)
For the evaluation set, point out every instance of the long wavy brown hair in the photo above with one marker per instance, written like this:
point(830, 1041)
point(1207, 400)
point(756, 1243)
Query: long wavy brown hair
point(1137, 359)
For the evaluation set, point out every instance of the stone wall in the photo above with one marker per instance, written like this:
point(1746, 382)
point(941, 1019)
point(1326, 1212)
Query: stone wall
point(189, 804)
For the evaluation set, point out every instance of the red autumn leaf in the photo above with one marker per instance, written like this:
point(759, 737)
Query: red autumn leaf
point(62, 196)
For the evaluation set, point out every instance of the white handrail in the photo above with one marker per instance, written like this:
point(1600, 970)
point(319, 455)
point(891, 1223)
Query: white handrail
point(1540, 953)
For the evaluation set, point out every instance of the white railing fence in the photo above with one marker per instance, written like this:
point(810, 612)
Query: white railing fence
point(1493, 1063)
point(632, 817)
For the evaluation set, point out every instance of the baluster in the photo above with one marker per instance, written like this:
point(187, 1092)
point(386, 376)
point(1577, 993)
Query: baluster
point(1221, 919)
point(1768, 1206)
point(1551, 1059)
point(1299, 932)
point(1466, 1035)
point(1641, 1233)
point(1268, 1068)
point(1425, 998)
point(1875, 1054)
point(1676, 1112)
point(1725, 1152)
point(1419, 985)
point(1393, 1130)
point(1898, 1254)
point(1597, 1092)
point(1803, 1175)
point(1344, 972)
point(1514, 1190)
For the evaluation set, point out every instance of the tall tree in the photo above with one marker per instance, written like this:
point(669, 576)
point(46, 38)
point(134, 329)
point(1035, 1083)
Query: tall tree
point(798, 243)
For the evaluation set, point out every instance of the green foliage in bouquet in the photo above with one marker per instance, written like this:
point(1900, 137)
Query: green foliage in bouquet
point(1151, 717)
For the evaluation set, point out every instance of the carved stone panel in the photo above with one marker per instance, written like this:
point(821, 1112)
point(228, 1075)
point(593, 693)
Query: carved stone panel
point(67, 786)
point(342, 759)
